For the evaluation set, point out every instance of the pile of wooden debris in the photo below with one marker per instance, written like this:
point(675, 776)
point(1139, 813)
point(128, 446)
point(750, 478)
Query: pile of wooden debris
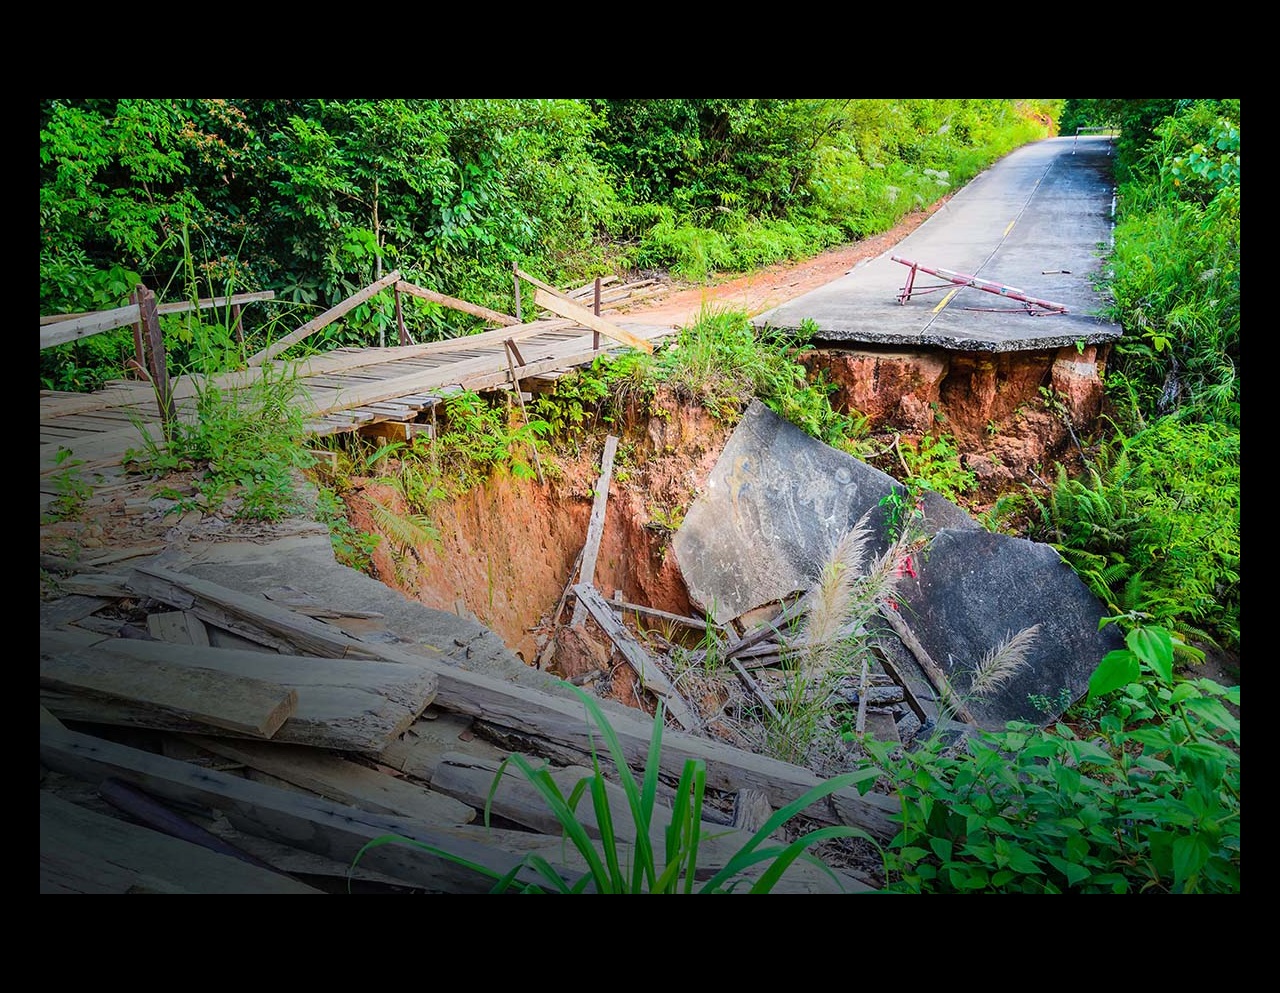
point(196, 738)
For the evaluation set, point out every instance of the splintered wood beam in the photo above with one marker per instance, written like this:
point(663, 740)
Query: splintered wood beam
point(342, 780)
point(558, 305)
point(83, 851)
point(328, 317)
point(690, 622)
point(553, 719)
point(243, 704)
point(652, 678)
point(946, 694)
point(595, 527)
point(354, 706)
point(453, 303)
point(318, 825)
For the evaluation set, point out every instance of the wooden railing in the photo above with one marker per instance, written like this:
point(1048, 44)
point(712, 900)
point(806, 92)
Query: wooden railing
point(144, 314)
point(149, 361)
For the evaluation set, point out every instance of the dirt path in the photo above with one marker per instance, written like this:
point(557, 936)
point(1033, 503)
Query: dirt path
point(765, 288)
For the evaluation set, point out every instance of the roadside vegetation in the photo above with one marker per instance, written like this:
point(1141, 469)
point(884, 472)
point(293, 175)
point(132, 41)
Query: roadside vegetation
point(1134, 789)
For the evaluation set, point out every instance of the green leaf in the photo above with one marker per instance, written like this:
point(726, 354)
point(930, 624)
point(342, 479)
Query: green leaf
point(1074, 872)
point(1154, 646)
point(1189, 856)
point(1021, 860)
point(1117, 668)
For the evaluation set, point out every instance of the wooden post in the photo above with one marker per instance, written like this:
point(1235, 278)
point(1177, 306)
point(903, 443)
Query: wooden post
point(156, 359)
point(515, 275)
point(239, 329)
point(139, 354)
point(404, 335)
point(515, 385)
point(595, 527)
point(595, 335)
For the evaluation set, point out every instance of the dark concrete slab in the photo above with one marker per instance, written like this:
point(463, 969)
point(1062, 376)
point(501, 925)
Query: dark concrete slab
point(975, 588)
point(1038, 221)
point(773, 508)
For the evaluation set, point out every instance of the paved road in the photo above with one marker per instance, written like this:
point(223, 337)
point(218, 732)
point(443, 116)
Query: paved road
point(1036, 223)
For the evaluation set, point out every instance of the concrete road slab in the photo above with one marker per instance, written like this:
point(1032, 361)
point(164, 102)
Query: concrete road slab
point(1038, 222)
point(773, 508)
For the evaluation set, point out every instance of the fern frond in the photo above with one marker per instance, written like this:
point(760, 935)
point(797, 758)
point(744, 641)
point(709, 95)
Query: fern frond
point(405, 530)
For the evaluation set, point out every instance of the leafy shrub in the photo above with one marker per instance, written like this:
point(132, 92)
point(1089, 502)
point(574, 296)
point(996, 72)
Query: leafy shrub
point(1150, 803)
point(1155, 525)
point(934, 463)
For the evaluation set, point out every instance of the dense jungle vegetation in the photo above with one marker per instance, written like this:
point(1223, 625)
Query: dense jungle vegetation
point(1137, 788)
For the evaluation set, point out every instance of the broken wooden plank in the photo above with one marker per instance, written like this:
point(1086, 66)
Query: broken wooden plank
point(82, 851)
point(313, 823)
point(651, 677)
point(328, 317)
point(453, 303)
point(178, 627)
point(558, 305)
point(343, 780)
point(755, 689)
point(770, 628)
point(359, 706)
point(908, 694)
point(69, 609)
point(946, 694)
point(121, 554)
point(595, 526)
point(111, 585)
point(418, 750)
point(151, 813)
point(562, 721)
point(690, 622)
point(305, 603)
point(246, 615)
point(243, 704)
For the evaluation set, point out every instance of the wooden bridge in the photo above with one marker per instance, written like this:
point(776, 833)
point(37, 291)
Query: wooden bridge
point(344, 390)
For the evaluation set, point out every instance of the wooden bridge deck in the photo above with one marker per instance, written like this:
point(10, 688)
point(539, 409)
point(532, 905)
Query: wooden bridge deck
point(343, 390)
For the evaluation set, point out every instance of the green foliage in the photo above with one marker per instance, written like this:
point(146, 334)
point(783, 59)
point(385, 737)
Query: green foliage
point(329, 194)
point(1150, 803)
point(71, 488)
point(478, 437)
point(1176, 268)
point(934, 463)
point(647, 864)
point(721, 362)
point(248, 442)
point(351, 547)
point(1155, 525)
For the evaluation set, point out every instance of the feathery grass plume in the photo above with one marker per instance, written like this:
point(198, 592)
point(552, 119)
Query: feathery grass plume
point(845, 597)
point(836, 583)
point(999, 664)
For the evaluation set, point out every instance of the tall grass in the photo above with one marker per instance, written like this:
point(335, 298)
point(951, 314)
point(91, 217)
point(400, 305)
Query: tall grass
point(648, 864)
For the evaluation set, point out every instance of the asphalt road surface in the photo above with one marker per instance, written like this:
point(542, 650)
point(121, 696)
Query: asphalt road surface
point(1016, 255)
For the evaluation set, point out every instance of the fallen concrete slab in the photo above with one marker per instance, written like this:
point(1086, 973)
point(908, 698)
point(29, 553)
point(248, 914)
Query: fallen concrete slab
point(974, 589)
point(775, 505)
